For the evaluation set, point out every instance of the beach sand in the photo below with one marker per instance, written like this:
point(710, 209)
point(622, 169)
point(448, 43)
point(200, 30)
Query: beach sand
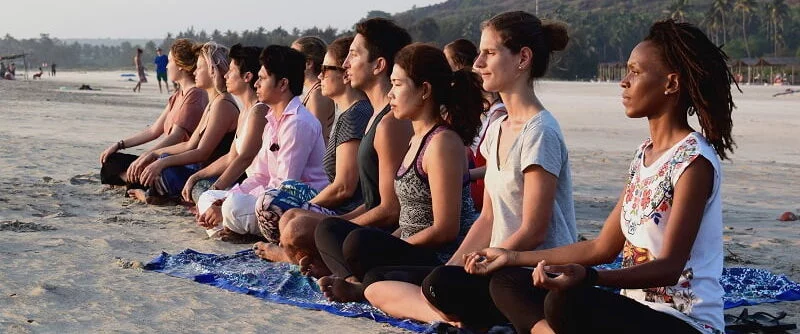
point(71, 247)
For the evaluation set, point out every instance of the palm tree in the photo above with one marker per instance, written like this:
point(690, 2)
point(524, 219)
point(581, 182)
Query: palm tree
point(746, 8)
point(718, 10)
point(776, 13)
point(677, 10)
point(713, 24)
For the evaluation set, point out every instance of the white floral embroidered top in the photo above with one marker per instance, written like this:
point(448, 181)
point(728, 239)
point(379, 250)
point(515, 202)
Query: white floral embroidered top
point(697, 298)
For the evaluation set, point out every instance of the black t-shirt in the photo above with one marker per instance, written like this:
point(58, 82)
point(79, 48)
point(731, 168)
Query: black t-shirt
point(368, 163)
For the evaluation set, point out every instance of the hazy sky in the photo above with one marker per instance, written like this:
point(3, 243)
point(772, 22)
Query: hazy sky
point(154, 18)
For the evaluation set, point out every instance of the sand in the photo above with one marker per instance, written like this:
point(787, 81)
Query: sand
point(72, 249)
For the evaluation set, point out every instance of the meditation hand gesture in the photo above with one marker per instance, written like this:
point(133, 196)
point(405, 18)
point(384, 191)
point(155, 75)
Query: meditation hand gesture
point(569, 276)
point(486, 261)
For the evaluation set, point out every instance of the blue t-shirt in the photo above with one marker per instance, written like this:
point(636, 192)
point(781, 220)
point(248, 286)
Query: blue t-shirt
point(161, 63)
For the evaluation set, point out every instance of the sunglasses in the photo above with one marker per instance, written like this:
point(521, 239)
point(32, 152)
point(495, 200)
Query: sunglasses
point(326, 68)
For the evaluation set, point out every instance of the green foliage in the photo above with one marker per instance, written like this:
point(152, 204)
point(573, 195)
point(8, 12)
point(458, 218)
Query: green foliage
point(599, 30)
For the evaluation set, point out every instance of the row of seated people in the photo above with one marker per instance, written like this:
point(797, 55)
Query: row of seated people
point(382, 210)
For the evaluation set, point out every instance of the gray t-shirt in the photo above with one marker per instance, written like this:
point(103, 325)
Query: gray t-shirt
point(539, 143)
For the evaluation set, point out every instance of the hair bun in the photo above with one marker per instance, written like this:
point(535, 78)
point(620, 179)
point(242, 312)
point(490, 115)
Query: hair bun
point(556, 34)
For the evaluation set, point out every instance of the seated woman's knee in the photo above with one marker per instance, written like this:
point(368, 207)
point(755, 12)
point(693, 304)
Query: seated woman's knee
point(361, 240)
point(509, 280)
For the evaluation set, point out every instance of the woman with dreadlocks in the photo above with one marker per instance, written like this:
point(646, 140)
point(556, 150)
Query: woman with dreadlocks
point(667, 222)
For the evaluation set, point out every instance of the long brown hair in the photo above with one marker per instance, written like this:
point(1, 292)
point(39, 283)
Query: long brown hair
point(521, 29)
point(459, 92)
point(313, 48)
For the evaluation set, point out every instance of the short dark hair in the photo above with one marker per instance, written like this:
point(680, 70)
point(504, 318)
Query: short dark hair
point(384, 39)
point(285, 62)
point(246, 58)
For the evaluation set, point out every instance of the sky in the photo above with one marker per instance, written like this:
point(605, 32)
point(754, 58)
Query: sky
point(154, 18)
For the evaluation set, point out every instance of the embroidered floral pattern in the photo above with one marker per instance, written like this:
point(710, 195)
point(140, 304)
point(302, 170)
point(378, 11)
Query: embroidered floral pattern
point(648, 200)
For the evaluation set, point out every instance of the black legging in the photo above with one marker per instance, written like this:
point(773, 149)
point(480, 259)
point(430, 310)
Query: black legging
point(463, 296)
point(352, 250)
point(578, 310)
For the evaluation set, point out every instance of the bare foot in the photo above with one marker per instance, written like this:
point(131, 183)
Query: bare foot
point(138, 194)
point(271, 252)
point(142, 196)
point(313, 267)
point(235, 238)
point(340, 290)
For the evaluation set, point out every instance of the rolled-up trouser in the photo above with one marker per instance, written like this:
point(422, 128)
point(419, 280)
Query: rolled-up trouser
point(239, 213)
point(205, 201)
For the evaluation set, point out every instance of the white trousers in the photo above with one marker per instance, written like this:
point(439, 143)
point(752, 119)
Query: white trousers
point(238, 211)
point(239, 214)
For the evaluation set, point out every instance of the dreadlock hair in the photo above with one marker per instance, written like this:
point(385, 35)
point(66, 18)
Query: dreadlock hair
point(705, 79)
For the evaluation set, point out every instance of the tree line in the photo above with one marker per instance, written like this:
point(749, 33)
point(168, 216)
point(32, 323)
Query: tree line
point(606, 33)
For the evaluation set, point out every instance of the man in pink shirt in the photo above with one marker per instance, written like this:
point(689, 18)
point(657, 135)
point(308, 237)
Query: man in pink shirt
point(292, 146)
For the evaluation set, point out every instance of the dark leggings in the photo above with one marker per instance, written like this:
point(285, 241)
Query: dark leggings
point(462, 296)
point(352, 250)
point(577, 310)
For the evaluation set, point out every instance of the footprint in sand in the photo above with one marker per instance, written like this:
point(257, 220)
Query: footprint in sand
point(21, 227)
point(81, 179)
point(129, 264)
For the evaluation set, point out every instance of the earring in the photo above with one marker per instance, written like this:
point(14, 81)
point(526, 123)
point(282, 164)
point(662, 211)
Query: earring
point(519, 67)
point(666, 92)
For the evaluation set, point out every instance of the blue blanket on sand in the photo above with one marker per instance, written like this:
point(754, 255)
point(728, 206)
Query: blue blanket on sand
point(244, 272)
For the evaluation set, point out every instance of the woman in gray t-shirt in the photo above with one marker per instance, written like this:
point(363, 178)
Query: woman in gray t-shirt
point(528, 194)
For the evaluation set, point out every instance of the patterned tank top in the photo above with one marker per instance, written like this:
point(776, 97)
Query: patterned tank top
point(416, 209)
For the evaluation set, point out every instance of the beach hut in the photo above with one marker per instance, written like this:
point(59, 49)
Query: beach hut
point(767, 70)
point(24, 58)
point(781, 69)
point(611, 71)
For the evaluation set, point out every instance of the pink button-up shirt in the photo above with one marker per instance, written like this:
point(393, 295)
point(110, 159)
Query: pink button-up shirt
point(298, 156)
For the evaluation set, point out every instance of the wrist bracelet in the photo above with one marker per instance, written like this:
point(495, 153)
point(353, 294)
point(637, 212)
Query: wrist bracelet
point(121, 144)
point(591, 277)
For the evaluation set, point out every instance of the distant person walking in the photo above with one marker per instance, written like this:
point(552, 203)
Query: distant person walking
point(161, 61)
point(53, 69)
point(137, 60)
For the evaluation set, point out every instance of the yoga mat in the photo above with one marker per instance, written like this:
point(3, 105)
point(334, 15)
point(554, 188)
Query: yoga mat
point(244, 272)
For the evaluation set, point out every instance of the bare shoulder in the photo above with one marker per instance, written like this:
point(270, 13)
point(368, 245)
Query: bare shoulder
point(389, 122)
point(260, 109)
